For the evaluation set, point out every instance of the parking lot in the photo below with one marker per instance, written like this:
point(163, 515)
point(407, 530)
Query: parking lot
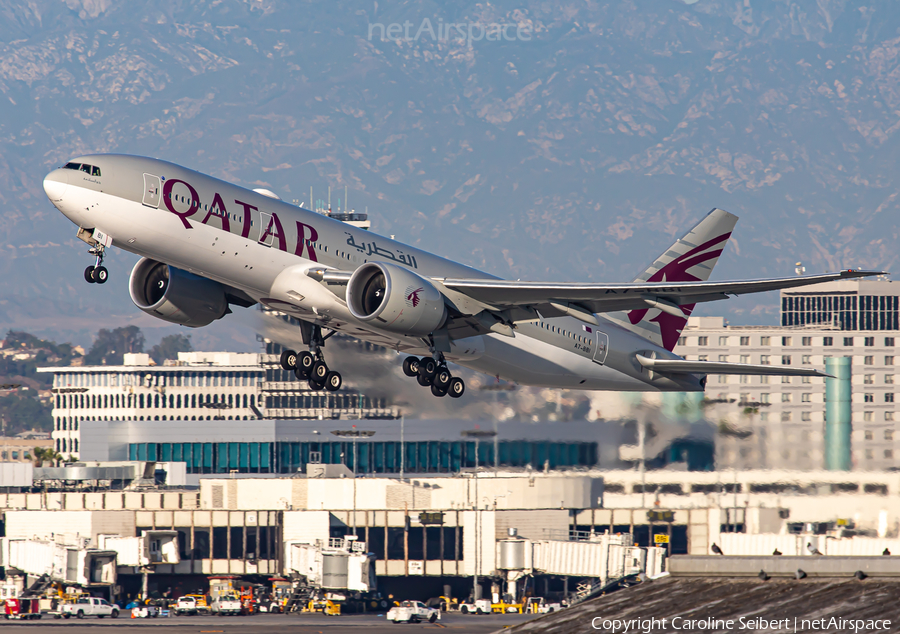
point(267, 623)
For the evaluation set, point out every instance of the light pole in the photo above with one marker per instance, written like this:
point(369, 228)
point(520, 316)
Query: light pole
point(355, 434)
point(496, 388)
point(477, 434)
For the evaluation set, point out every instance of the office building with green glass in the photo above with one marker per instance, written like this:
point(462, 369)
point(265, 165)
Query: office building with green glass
point(366, 447)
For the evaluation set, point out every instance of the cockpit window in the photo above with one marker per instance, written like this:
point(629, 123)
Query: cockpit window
point(90, 170)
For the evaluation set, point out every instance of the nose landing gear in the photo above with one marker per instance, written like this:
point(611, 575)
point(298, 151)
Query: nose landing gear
point(311, 366)
point(96, 274)
point(434, 374)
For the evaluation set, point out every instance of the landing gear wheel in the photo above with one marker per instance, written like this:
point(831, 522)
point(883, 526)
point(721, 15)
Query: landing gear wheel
point(423, 380)
point(456, 388)
point(304, 363)
point(411, 366)
point(315, 386)
point(288, 360)
point(100, 274)
point(89, 275)
point(442, 378)
point(438, 391)
point(428, 367)
point(300, 373)
point(333, 381)
point(319, 372)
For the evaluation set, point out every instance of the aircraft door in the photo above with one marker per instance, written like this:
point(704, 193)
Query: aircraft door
point(266, 235)
point(151, 190)
point(601, 346)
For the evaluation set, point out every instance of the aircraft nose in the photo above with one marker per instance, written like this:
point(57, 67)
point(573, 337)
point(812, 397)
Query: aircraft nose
point(55, 184)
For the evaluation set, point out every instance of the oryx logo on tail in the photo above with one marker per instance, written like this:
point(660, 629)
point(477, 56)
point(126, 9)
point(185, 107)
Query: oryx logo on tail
point(690, 259)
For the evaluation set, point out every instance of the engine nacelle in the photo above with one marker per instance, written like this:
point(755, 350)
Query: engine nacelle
point(176, 296)
point(395, 299)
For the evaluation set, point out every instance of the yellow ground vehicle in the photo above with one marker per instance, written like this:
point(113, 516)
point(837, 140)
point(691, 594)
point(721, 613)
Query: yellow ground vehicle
point(507, 608)
point(202, 603)
point(325, 606)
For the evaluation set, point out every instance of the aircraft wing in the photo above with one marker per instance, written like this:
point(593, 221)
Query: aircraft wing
point(682, 366)
point(604, 298)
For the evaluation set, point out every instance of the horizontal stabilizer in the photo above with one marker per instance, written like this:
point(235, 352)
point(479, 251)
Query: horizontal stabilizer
point(682, 366)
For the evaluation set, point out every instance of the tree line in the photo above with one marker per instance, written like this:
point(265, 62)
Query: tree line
point(22, 409)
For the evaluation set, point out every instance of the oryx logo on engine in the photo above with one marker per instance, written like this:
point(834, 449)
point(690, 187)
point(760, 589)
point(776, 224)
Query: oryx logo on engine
point(412, 296)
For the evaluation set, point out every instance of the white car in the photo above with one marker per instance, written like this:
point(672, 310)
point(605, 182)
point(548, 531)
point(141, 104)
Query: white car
point(186, 605)
point(226, 604)
point(89, 606)
point(413, 612)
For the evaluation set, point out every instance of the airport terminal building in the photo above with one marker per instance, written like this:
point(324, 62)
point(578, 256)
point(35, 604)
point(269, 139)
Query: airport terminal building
point(365, 447)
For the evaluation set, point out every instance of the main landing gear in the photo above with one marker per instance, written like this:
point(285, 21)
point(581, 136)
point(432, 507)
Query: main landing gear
point(434, 374)
point(96, 274)
point(310, 366)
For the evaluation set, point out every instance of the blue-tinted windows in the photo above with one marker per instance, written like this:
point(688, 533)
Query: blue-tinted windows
point(371, 457)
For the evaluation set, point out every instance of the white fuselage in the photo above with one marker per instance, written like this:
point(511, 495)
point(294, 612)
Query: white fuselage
point(263, 247)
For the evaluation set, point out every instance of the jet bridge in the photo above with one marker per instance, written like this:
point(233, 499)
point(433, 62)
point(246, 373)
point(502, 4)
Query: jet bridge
point(69, 561)
point(603, 557)
point(336, 565)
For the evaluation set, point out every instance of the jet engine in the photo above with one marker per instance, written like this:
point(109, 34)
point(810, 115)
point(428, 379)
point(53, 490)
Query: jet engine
point(395, 299)
point(176, 296)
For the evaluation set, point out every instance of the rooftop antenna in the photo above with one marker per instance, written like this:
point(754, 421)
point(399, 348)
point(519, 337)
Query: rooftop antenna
point(329, 199)
point(346, 206)
point(312, 201)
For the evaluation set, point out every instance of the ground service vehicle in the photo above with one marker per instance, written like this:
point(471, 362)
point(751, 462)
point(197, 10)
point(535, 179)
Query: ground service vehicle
point(481, 606)
point(200, 601)
point(539, 605)
point(227, 604)
point(22, 608)
point(187, 605)
point(145, 612)
point(413, 612)
point(325, 606)
point(89, 606)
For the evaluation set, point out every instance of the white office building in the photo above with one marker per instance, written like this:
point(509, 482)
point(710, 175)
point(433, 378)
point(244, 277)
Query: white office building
point(197, 386)
point(778, 422)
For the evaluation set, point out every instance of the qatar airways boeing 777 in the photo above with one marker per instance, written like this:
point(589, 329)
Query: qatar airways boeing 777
point(207, 245)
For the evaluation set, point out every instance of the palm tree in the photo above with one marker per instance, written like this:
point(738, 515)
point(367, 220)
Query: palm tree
point(45, 454)
point(38, 455)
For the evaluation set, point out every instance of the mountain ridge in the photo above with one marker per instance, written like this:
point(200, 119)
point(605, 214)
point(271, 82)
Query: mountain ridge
point(576, 155)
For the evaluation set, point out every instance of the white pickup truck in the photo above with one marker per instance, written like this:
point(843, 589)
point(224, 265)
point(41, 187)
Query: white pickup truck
point(89, 606)
point(226, 604)
point(186, 605)
point(413, 612)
